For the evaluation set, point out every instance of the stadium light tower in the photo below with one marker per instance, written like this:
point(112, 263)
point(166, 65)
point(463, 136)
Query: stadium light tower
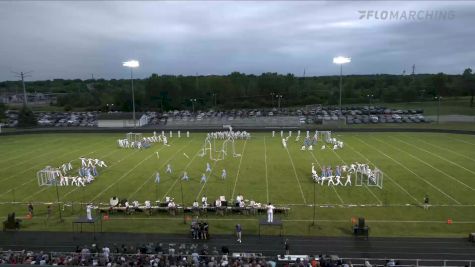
point(132, 64)
point(279, 98)
point(341, 60)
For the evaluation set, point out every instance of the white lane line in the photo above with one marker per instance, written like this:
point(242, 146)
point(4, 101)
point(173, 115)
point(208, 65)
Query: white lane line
point(447, 149)
point(435, 155)
point(163, 165)
point(415, 174)
point(110, 166)
point(239, 170)
point(386, 176)
point(296, 175)
point(122, 177)
point(320, 166)
point(265, 161)
point(179, 177)
point(426, 163)
point(367, 188)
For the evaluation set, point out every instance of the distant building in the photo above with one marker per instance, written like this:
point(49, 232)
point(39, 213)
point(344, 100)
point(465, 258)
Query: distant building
point(121, 119)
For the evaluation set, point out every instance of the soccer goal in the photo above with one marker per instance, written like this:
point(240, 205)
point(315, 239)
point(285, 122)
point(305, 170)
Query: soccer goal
point(47, 176)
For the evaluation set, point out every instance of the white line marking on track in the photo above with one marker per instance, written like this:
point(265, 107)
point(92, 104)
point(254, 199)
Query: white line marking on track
point(296, 175)
point(239, 169)
point(426, 163)
point(415, 174)
point(387, 176)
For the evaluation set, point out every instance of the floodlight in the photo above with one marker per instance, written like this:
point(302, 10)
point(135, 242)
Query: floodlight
point(341, 60)
point(131, 64)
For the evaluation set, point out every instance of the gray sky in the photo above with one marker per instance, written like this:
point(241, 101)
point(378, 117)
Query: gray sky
point(74, 39)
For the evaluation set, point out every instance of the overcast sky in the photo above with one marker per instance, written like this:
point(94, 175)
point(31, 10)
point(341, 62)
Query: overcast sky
point(75, 39)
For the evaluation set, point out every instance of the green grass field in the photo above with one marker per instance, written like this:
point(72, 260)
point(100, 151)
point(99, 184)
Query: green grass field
point(414, 164)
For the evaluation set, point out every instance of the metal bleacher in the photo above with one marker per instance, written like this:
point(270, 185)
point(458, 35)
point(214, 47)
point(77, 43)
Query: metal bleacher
point(274, 121)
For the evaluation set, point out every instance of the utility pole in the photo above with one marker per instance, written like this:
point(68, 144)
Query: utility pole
point(22, 75)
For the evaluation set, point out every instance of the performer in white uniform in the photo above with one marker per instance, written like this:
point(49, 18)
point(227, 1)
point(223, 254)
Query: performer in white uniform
point(203, 178)
point(270, 213)
point(157, 178)
point(169, 168)
point(208, 167)
point(89, 212)
point(185, 176)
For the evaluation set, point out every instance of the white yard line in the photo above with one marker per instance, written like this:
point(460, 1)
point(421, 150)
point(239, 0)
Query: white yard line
point(39, 191)
point(153, 175)
point(320, 166)
point(209, 177)
point(265, 161)
point(415, 174)
point(41, 147)
point(34, 179)
point(36, 166)
point(448, 150)
point(462, 141)
point(296, 175)
point(122, 177)
point(386, 176)
point(179, 177)
point(239, 169)
point(435, 155)
point(426, 163)
point(110, 166)
point(367, 188)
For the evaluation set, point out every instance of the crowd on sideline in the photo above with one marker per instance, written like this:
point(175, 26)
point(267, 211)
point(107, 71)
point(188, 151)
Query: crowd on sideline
point(164, 255)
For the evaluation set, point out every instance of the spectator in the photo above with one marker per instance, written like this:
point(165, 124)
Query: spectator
point(238, 232)
point(30, 209)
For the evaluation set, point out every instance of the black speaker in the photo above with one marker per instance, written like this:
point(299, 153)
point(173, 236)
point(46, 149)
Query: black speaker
point(361, 223)
point(471, 237)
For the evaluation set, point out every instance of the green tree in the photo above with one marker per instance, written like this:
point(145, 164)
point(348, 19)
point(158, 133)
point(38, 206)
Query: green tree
point(468, 79)
point(3, 108)
point(26, 118)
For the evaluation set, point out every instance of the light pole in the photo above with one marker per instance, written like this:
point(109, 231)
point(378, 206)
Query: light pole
point(215, 96)
point(369, 107)
point(279, 98)
point(193, 100)
point(341, 60)
point(438, 98)
point(132, 64)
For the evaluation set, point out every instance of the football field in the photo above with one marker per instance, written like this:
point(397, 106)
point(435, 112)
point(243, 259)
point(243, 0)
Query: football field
point(441, 166)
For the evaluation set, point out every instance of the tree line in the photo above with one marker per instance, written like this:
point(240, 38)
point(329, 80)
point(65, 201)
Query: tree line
point(239, 90)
